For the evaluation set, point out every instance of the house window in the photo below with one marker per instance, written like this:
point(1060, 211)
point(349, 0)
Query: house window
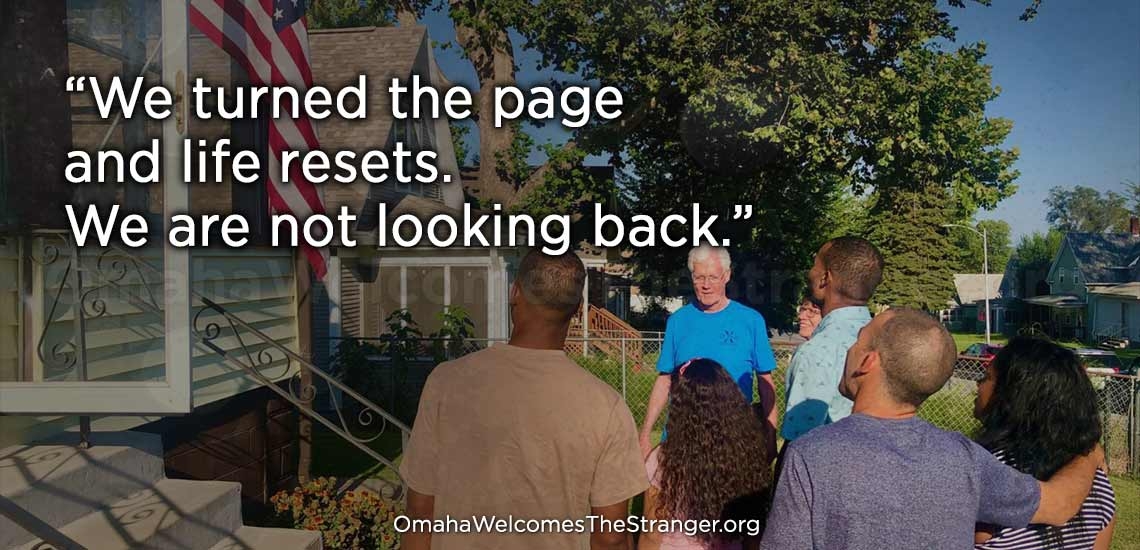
point(426, 290)
point(402, 132)
point(468, 290)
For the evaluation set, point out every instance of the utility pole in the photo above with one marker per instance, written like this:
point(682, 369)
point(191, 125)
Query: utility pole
point(985, 268)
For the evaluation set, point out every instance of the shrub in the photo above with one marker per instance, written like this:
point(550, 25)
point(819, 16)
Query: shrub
point(349, 520)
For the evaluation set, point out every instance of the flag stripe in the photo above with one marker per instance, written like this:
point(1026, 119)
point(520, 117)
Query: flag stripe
point(268, 38)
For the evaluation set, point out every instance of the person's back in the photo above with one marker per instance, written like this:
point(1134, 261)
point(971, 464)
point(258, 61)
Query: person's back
point(524, 431)
point(883, 478)
point(879, 483)
point(518, 447)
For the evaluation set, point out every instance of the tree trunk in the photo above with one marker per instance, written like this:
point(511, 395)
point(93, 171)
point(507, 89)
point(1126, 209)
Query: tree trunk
point(492, 56)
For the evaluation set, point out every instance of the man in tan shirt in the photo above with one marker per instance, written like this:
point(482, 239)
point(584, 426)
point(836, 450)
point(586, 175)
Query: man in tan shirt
point(520, 432)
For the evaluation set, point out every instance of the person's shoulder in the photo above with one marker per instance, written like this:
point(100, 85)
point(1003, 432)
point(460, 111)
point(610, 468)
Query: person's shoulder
point(823, 439)
point(746, 312)
point(684, 312)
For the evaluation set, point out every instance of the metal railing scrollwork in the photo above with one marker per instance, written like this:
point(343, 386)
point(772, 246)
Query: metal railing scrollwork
point(237, 343)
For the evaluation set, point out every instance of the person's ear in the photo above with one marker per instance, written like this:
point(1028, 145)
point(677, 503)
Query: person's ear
point(515, 294)
point(871, 362)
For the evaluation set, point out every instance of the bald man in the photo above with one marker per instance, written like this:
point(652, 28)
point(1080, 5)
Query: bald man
point(883, 478)
point(520, 431)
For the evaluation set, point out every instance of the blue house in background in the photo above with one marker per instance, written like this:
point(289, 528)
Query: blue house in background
point(1094, 289)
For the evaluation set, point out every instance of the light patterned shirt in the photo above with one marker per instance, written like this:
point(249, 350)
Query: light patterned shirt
point(813, 377)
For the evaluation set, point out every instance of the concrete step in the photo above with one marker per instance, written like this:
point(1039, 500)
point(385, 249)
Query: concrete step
point(58, 484)
point(174, 514)
point(261, 538)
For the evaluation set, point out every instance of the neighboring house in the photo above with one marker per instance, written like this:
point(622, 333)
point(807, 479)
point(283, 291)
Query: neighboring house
point(1090, 287)
point(1019, 283)
point(965, 313)
point(366, 284)
point(1114, 312)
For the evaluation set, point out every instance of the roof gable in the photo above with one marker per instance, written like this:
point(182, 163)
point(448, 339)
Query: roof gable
point(1104, 258)
point(971, 287)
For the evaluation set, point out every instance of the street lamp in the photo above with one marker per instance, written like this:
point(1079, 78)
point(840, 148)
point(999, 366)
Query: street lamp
point(985, 268)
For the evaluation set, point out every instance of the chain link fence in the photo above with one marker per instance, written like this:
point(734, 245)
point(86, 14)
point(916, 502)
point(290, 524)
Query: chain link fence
point(629, 366)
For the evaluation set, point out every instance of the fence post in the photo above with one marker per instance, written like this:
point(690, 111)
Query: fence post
point(623, 367)
point(1134, 426)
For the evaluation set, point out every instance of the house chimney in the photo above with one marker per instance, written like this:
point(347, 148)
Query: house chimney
point(1134, 226)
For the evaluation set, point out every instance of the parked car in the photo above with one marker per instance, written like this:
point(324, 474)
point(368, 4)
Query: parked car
point(984, 351)
point(1100, 361)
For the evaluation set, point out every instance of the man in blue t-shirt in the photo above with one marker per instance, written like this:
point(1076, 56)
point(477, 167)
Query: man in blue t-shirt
point(884, 478)
point(714, 327)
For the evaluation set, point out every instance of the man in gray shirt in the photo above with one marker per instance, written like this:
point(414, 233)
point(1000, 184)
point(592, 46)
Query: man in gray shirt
point(883, 478)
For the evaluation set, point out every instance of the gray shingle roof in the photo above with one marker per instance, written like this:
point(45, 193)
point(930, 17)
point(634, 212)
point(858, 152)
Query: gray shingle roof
point(1105, 257)
point(971, 287)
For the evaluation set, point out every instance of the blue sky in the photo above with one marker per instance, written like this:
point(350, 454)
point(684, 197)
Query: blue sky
point(1070, 82)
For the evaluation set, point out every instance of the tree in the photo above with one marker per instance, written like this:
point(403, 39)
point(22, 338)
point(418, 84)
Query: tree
point(1038, 249)
point(1087, 210)
point(1133, 190)
point(919, 260)
point(970, 245)
point(782, 106)
point(338, 14)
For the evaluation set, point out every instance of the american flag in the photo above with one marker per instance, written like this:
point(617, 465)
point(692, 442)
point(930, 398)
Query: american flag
point(270, 40)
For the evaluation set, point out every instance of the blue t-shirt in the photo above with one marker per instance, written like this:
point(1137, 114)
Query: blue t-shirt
point(867, 482)
point(813, 397)
point(736, 337)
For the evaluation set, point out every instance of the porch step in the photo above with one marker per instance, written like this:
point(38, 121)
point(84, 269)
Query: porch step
point(59, 484)
point(173, 514)
point(261, 538)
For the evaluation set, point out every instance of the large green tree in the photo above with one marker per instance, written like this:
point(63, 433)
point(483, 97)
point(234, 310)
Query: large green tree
point(783, 106)
point(1038, 249)
point(1086, 209)
point(970, 245)
point(908, 228)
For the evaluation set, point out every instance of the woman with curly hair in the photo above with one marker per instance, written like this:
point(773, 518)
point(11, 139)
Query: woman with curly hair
point(1039, 411)
point(714, 465)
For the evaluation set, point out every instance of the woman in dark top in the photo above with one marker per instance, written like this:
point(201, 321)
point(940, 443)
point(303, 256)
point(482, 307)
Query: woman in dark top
point(1039, 411)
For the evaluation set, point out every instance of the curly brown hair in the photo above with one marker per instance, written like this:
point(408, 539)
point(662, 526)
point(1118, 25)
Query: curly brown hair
point(714, 464)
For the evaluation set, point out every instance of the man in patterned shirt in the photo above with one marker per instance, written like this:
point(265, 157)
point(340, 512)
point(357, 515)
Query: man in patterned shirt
point(845, 274)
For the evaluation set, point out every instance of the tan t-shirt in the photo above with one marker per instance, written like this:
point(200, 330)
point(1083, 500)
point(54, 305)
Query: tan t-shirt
point(512, 431)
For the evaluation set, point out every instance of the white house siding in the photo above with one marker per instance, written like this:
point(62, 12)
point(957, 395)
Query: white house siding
point(126, 343)
point(10, 333)
point(1106, 314)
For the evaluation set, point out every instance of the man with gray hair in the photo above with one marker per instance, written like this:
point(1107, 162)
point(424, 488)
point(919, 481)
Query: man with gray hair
point(521, 430)
point(883, 478)
point(714, 327)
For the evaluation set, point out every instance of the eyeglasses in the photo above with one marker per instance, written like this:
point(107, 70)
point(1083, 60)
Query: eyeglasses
point(702, 279)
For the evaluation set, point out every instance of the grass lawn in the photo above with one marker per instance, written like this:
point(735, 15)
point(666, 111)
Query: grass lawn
point(964, 340)
point(1127, 534)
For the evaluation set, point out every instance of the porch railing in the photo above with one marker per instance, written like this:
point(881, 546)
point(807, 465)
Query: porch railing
point(351, 416)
